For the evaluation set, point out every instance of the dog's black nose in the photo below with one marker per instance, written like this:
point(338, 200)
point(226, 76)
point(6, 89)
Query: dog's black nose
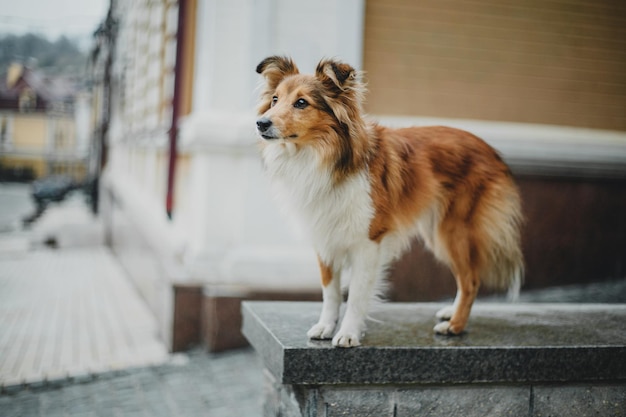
point(263, 124)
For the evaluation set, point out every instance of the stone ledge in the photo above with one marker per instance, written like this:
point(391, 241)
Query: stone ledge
point(504, 343)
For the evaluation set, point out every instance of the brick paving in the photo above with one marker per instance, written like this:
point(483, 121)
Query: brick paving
point(192, 384)
point(66, 313)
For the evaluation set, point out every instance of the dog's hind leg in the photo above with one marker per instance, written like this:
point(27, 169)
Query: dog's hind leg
point(465, 260)
point(468, 285)
point(331, 293)
point(447, 312)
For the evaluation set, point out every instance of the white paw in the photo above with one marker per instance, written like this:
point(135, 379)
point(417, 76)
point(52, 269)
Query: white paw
point(447, 329)
point(442, 328)
point(321, 331)
point(346, 339)
point(445, 313)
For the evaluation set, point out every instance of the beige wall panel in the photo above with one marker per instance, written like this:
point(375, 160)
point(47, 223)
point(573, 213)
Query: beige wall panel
point(554, 62)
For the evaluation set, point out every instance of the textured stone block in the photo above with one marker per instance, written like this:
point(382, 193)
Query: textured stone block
point(466, 401)
point(365, 402)
point(282, 400)
point(606, 400)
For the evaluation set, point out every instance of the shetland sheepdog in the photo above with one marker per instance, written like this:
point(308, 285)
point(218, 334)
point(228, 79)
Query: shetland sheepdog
point(363, 192)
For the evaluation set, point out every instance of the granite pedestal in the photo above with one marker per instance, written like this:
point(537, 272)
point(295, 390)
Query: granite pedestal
point(514, 359)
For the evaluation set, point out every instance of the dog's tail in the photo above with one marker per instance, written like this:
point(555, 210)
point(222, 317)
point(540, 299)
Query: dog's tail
point(506, 273)
point(504, 269)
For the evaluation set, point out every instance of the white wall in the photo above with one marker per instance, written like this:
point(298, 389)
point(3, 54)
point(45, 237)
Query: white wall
point(226, 225)
point(228, 212)
point(234, 36)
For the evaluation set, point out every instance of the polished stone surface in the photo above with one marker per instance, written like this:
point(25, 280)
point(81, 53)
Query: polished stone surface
point(503, 343)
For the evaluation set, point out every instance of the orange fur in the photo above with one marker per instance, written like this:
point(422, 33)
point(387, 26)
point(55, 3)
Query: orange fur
point(326, 272)
point(450, 183)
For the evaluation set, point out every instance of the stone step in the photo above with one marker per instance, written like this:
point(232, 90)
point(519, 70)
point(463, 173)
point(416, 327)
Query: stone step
point(516, 353)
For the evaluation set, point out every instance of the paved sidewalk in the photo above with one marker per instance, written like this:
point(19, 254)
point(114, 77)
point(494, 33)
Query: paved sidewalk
point(68, 312)
point(71, 313)
point(76, 338)
point(190, 385)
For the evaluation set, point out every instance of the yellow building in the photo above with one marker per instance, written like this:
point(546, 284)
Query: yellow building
point(38, 135)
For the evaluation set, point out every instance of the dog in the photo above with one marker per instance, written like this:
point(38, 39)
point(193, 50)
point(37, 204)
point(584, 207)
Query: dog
point(364, 192)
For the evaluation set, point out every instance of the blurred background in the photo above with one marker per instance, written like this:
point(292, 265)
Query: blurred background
point(142, 113)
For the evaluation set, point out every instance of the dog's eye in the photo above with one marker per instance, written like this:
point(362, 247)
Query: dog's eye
point(300, 103)
point(274, 100)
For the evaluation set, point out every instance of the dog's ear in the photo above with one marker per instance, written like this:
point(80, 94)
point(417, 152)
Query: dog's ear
point(336, 75)
point(274, 69)
point(344, 89)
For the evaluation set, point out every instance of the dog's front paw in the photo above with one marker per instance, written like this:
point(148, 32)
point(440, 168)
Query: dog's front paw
point(346, 339)
point(321, 331)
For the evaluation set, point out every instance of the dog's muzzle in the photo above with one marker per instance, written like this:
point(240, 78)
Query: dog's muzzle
point(264, 126)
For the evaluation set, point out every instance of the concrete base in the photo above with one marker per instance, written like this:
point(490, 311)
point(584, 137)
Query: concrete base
point(221, 312)
point(514, 359)
point(211, 314)
point(187, 305)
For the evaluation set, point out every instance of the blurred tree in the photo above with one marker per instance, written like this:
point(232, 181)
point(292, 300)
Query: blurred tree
point(61, 57)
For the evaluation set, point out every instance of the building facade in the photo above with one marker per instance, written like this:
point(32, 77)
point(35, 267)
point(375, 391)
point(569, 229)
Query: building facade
point(43, 126)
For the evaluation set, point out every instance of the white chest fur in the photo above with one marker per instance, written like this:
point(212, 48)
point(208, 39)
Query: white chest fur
point(335, 216)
